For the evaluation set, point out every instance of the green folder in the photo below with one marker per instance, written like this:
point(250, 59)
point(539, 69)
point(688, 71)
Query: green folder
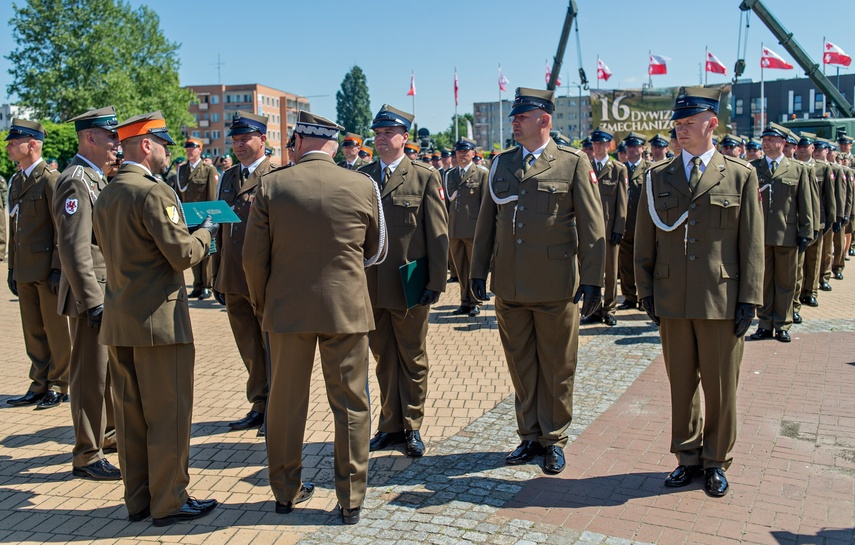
point(414, 278)
point(220, 212)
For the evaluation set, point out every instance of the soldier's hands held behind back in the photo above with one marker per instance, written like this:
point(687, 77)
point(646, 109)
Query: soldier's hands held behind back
point(94, 315)
point(13, 285)
point(479, 288)
point(593, 297)
point(803, 244)
point(616, 238)
point(744, 315)
point(53, 281)
point(650, 308)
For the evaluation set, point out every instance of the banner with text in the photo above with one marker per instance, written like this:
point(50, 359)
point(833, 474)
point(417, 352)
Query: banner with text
point(644, 111)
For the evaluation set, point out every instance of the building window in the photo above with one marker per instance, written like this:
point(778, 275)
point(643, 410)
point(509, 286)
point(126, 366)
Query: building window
point(216, 152)
point(817, 101)
point(755, 104)
point(797, 103)
point(215, 135)
point(195, 134)
point(215, 99)
point(215, 117)
point(738, 106)
point(207, 134)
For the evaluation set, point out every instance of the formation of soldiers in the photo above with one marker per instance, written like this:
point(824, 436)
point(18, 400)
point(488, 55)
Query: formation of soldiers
point(697, 237)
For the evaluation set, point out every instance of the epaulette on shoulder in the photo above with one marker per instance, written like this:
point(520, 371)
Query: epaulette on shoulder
point(505, 151)
point(659, 165)
point(276, 170)
point(741, 162)
point(482, 167)
point(570, 149)
point(423, 165)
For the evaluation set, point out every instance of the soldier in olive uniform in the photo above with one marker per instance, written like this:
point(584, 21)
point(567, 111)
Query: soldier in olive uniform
point(832, 221)
point(785, 193)
point(612, 182)
point(658, 147)
point(417, 223)
point(81, 291)
point(238, 188)
point(791, 142)
point(350, 149)
point(197, 182)
point(753, 150)
point(636, 168)
point(34, 267)
point(588, 149)
point(337, 217)
point(464, 186)
point(4, 192)
point(146, 246)
point(699, 269)
point(844, 210)
point(411, 150)
point(541, 226)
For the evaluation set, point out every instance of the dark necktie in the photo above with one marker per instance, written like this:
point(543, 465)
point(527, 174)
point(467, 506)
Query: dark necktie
point(527, 161)
point(244, 174)
point(349, 166)
point(695, 175)
point(773, 166)
point(387, 173)
point(631, 170)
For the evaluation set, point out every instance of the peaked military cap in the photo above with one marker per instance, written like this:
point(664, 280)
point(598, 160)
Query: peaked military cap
point(731, 140)
point(822, 143)
point(843, 139)
point(532, 99)
point(715, 141)
point(151, 123)
point(587, 143)
point(694, 100)
point(773, 129)
point(102, 118)
point(24, 128)
point(792, 138)
point(464, 144)
point(268, 151)
point(754, 144)
point(633, 139)
point(445, 152)
point(191, 142)
point(412, 147)
point(366, 152)
point(599, 135)
point(351, 139)
point(245, 123)
point(674, 133)
point(561, 139)
point(659, 141)
point(479, 152)
point(621, 148)
point(315, 126)
point(392, 117)
point(806, 138)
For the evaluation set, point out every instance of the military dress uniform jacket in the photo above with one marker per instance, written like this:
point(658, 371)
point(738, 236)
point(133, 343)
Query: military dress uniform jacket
point(310, 229)
point(532, 225)
point(714, 258)
point(824, 180)
point(84, 274)
point(228, 260)
point(197, 184)
point(633, 194)
point(786, 201)
point(464, 197)
point(142, 232)
point(32, 230)
point(612, 180)
point(417, 226)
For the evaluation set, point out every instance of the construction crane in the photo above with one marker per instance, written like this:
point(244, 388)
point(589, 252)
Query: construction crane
point(572, 11)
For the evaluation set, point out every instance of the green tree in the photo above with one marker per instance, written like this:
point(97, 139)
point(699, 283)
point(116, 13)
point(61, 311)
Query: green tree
point(353, 105)
point(60, 143)
point(72, 56)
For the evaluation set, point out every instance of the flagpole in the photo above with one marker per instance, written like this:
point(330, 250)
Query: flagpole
point(456, 127)
point(501, 140)
point(823, 73)
point(598, 74)
point(762, 94)
point(413, 74)
point(649, 75)
point(706, 58)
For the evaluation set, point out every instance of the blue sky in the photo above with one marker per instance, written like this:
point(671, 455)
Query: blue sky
point(307, 47)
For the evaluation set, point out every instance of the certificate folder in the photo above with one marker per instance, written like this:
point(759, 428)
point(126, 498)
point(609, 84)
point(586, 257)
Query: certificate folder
point(220, 212)
point(414, 278)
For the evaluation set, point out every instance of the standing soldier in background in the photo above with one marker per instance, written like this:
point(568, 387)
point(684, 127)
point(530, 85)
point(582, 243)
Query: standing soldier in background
point(238, 188)
point(350, 149)
point(791, 142)
point(658, 147)
point(833, 223)
point(197, 182)
point(417, 223)
point(464, 187)
point(81, 291)
point(636, 171)
point(4, 192)
point(824, 209)
point(699, 270)
point(34, 268)
point(541, 227)
point(146, 245)
point(844, 207)
point(612, 182)
point(785, 196)
point(753, 150)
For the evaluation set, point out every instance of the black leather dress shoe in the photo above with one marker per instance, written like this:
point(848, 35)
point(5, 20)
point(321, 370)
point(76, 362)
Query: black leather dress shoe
point(29, 398)
point(553, 460)
point(626, 305)
point(415, 446)
point(206, 294)
point(141, 516)
point(782, 336)
point(592, 319)
point(307, 490)
point(524, 453)
point(452, 279)
point(350, 516)
point(682, 476)
point(462, 309)
point(761, 334)
point(384, 439)
point(610, 320)
point(715, 483)
point(102, 470)
point(811, 301)
point(195, 293)
point(838, 275)
point(797, 318)
point(51, 399)
point(110, 449)
point(825, 286)
point(193, 509)
point(262, 431)
point(474, 311)
point(252, 419)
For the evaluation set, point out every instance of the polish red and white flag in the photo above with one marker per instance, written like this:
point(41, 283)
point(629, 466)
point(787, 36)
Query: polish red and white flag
point(835, 55)
point(714, 65)
point(658, 65)
point(770, 59)
point(603, 71)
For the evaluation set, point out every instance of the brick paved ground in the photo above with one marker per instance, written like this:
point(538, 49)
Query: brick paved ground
point(792, 479)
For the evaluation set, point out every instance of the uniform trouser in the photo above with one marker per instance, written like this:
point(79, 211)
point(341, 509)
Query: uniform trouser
point(153, 388)
point(779, 287)
point(800, 275)
point(610, 291)
point(89, 390)
point(626, 269)
point(461, 253)
point(344, 362)
point(46, 337)
point(399, 345)
point(3, 231)
point(813, 254)
point(705, 353)
point(840, 251)
point(203, 276)
point(452, 270)
point(250, 343)
point(540, 342)
point(827, 255)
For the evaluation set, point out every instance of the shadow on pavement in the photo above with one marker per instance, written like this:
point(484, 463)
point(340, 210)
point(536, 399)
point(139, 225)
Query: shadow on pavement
point(826, 535)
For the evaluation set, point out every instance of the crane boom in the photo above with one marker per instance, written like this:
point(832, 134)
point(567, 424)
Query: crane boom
point(838, 103)
point(572, 10)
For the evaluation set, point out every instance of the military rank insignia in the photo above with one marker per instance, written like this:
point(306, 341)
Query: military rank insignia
point(172, 214)
point(70, 206)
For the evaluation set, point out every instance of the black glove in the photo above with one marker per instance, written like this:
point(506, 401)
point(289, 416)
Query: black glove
point(803, 244)
point(650, 308)
point(616, 238)
point(479, 288)
point(846, 220)
point(207, 223)
point(815, 235)
point(220, 297)
point(593, 296)
point(836, 225)
point(94, 315)
point(53, 281)
point(744, 315)
point(13, 285)
point(429, 297)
